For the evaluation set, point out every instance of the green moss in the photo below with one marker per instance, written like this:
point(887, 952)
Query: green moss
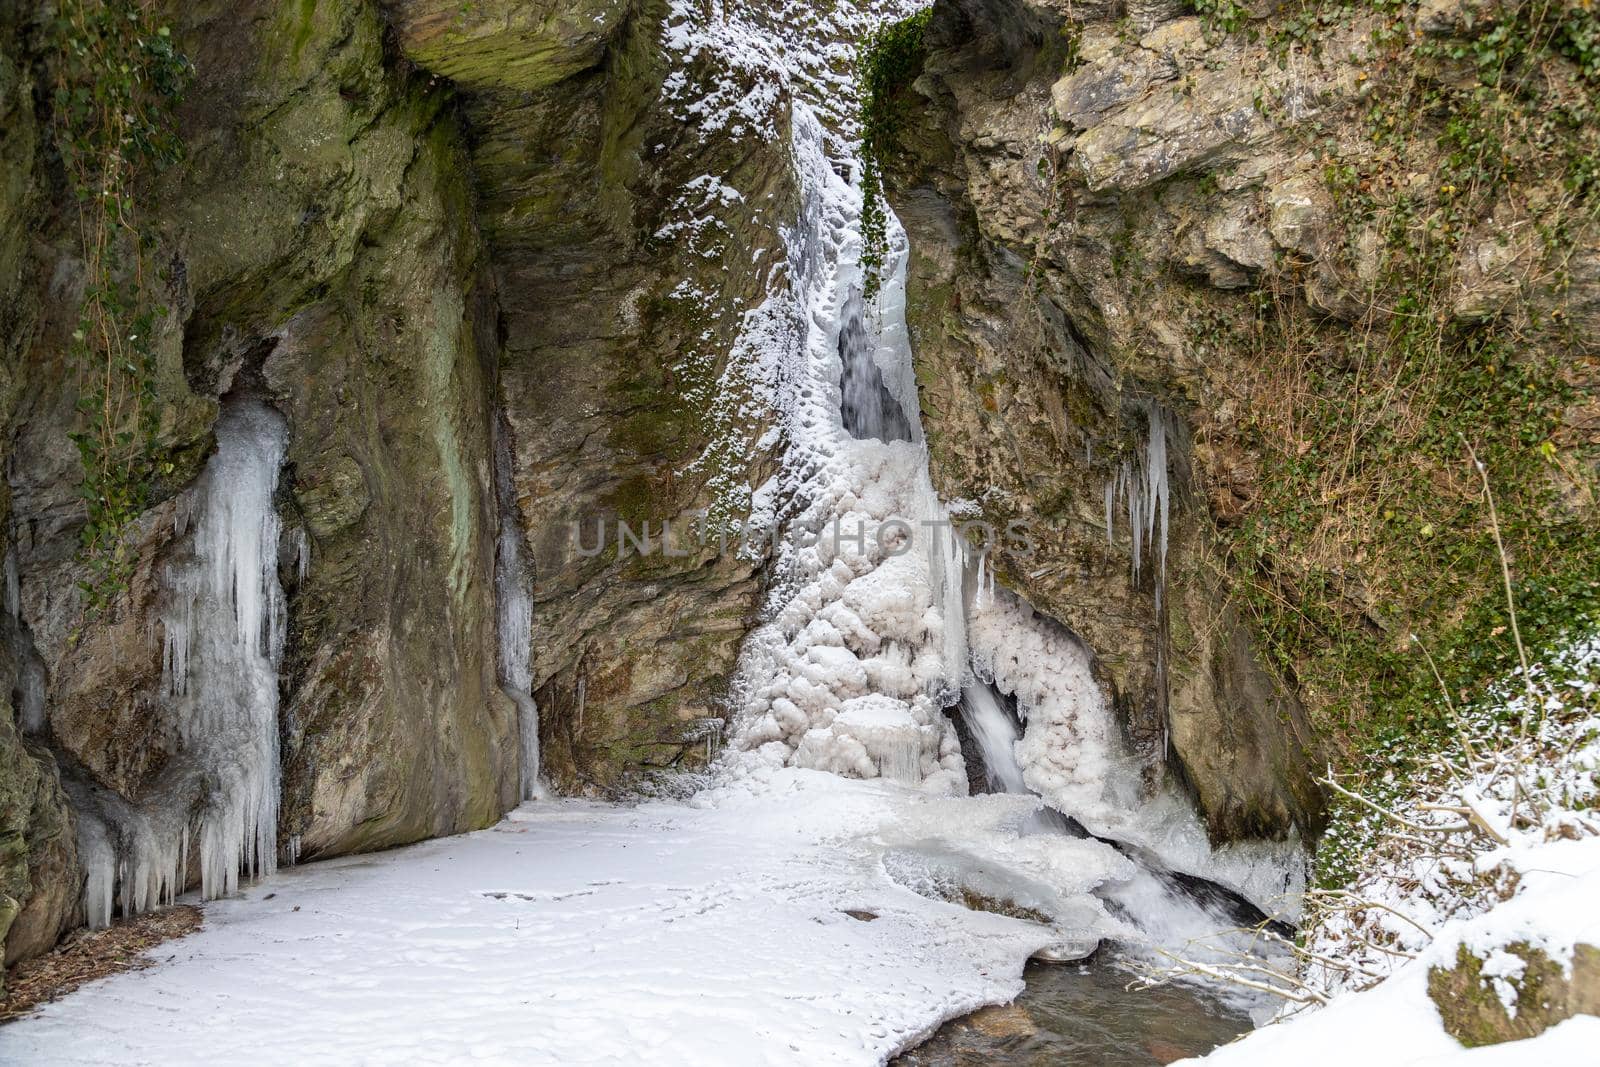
point(890, 60)
point(634, 500)
point(117, 75)
point(1470, 1006)
point(1368, 538)
point(1082, 405)
point(305, 26)
point(659, 427)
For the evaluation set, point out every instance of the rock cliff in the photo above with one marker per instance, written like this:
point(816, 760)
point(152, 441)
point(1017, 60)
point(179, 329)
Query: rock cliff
point(497, 266)
point(415, 231)
point(1333, 260)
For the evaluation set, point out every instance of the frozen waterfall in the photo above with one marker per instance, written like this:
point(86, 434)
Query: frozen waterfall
point(513, 587)
point(222, 618)
point(851, 674)
point(883, 618)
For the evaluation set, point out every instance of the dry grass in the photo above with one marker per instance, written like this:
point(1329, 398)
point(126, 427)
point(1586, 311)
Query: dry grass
point(90, 954)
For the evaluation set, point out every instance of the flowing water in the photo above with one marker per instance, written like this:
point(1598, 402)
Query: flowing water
point(1083, 1015)
point(867, 407)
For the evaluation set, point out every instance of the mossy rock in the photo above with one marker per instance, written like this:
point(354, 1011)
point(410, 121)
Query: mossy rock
point(1474, 1014)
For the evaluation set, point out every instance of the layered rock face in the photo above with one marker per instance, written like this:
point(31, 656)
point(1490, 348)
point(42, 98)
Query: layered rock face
point(411, 253)
point(38, 867)
point(317, 251)
point(1057, 374)
point(628, 244)
point(496, 265)
point(1303, 267)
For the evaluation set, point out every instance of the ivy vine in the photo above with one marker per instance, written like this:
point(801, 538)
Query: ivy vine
point(890, 58)
point(116, 76)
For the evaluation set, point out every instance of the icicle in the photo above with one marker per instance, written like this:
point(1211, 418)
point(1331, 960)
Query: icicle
point(13, 589)
point(1111, 493)
point(224, 629)
point(31, 690)
point(302, 554)
point(99, 861)
point(902, 762)
point(513, 584)
point(1156, 490)
point(713, 732)
point(1147, 494)
point(952, 574)
point(1135, 514)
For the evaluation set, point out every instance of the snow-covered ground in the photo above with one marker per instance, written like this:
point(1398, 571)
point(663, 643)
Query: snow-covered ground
point(713, 931)
point(1493, 844)
point(1395, 1024)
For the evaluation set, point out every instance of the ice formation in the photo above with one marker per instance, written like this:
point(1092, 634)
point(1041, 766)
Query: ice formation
point(222, 618)
point(513, 588)
point(851, 674)
point(1073, 754)
point(1154, 904)
point(13, 588)
point(1144, 490)
point(882, 616)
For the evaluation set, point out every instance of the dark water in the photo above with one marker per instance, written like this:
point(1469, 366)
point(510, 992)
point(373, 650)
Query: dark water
point(866, 405)
point(1074, 1015)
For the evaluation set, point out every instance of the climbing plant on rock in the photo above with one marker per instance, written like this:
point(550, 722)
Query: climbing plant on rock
point(116, 76)
point(890, 58)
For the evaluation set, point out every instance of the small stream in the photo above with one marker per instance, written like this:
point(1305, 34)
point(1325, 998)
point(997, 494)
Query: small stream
point(1083, 1015)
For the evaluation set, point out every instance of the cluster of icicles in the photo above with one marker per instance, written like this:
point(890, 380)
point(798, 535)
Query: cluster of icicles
point(222, 621)
point(223, 627)
point(1144, 492)
point(513, 587)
